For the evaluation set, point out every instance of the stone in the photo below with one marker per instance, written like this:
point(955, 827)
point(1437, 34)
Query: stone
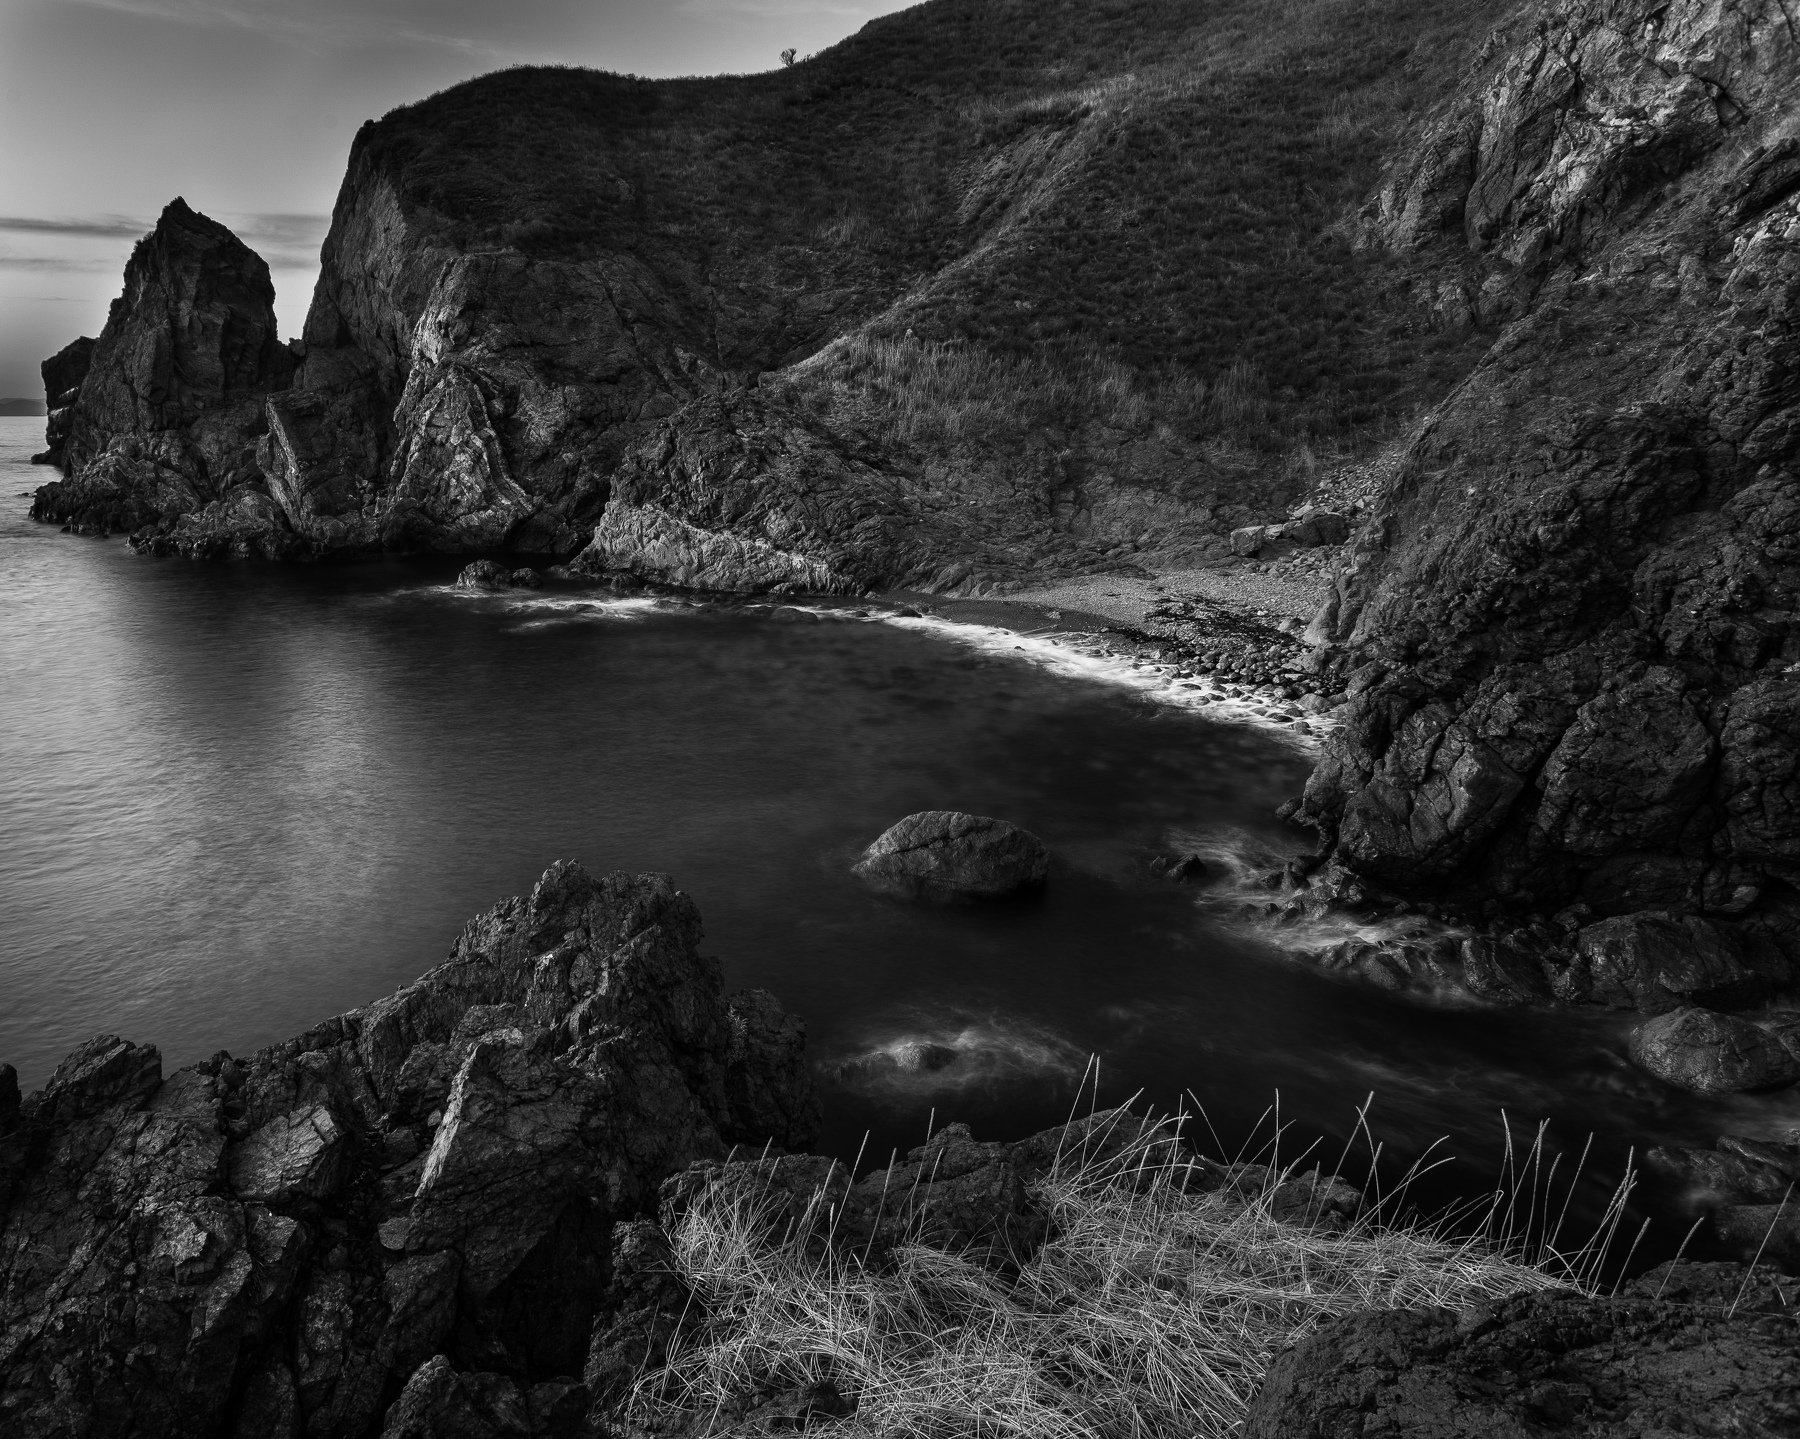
point(161, 423)
point(1768, 1232)
point(63, 373)
point(1655, 962)
point(1708, 1053)
point(947, 854)
point(1588, 698)
point(283, 1243)
point(1663, 1357)
point(303, 1155)
point(1248, 541)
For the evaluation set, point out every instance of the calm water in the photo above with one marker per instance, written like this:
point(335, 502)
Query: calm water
point(237, 799)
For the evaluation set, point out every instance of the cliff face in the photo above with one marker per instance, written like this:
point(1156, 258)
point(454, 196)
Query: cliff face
point(1574, 611)
point(63, 373)
point(989, 289)
point(168, 402)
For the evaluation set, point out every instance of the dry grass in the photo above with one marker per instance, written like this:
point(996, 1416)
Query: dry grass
point(1153, 1309)
point(940, 395)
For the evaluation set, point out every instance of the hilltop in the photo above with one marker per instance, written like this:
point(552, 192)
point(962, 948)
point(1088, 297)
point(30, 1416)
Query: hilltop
point(987, 290)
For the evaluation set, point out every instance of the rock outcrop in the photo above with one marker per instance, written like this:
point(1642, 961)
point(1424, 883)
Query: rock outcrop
point(280, 1245)
point(942, 854)
point(63, 373)
point(872, 341)
point(1570, 625)
point(1686, 1349)
point(168, 405)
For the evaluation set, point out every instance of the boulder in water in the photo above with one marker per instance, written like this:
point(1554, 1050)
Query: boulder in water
point(492, 575)
point(940, 853)
point(1710, 1053)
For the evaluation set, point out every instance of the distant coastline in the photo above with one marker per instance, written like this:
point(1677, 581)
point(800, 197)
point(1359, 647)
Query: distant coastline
point(14, 405)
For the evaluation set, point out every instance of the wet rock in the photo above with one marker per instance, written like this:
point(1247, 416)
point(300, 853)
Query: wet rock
point(1710, 1053)
point(945, 854)
point(1182, 868)
point(492, 575)
point(1719, 1174)
point(1657, 962)
point(1768, 1232)
point(277, 1247)
point(1665, 1356)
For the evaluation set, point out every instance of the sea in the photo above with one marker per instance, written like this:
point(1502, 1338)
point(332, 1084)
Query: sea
point(237, 798)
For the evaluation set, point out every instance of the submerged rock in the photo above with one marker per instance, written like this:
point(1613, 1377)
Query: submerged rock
point(945, 854)
point(1677, 1352)
point(1712, 1053)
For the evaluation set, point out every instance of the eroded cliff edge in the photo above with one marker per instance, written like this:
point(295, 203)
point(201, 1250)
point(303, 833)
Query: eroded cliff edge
point(1570, 623)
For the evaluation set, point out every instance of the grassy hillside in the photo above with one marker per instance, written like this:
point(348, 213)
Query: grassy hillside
point(1095, 255)
point(1152, 180)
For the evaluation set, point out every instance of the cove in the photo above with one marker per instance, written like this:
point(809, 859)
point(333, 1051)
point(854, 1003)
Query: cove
point(244, 798)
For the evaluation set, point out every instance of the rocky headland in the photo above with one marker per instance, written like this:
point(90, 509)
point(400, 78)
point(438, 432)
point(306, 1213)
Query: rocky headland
point(450, 1213)
point(1483, 317)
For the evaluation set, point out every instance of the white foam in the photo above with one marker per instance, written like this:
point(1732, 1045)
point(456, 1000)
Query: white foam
point(1080, 656)
point(1236, 863)
point(1069, 654)
point(954, 1053)
point(548, 610)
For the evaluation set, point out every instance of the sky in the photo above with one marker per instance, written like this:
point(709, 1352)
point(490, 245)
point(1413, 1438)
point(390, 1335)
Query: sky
point(246, 108)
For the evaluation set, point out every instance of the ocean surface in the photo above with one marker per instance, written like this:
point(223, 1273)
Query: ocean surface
point(239, 798)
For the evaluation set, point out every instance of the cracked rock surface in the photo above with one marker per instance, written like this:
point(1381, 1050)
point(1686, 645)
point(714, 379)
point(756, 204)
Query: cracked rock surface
point(406, 1211)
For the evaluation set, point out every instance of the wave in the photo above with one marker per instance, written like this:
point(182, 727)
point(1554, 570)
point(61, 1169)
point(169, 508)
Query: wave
point(952, 1054)
point(1079, 655)
point(1250, 889)
point(1070, 654)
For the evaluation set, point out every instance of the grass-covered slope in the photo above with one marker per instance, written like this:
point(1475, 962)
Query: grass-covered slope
point(1083, 269)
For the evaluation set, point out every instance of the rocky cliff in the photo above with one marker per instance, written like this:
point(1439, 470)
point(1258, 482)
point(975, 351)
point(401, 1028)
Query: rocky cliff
point(169, 400)
point(956, 302)
point(272, 1246)
point(1570, 624)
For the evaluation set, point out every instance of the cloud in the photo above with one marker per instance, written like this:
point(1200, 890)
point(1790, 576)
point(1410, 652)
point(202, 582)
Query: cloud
point(337, 24)
point(66, 264)
point(104, 227)
point(287, 241)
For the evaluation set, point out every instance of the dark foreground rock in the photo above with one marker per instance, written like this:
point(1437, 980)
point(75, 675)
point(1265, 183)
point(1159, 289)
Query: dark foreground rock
point(274, 1246)
point(1712, 1053)
point(942, 854)
point(1693, 1350)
